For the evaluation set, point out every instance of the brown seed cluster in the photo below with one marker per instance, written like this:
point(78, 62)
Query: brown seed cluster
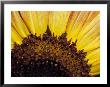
point(48, 56)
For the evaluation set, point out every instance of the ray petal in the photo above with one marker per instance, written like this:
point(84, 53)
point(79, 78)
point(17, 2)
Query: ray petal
point(12, 43)
point(93, 44)
point(93, 56)
point(58, 22)
point(95, 68)
point(41, 22)
point(29, 18)
point(91, 40)
point(92, 19)
point(19, 24)
point(94, 74)
point(15, 37)
point(76, 25)
point(91, 16)
point(71, 20)
point(96, 62)
point(36, 21)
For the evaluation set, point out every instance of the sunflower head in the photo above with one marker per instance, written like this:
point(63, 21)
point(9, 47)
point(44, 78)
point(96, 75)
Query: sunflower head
point(56, 43)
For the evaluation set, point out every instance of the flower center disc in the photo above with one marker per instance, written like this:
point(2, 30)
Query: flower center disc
point(48, 56)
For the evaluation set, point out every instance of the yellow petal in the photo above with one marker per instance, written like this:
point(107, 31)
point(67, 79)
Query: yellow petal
point(71, 20)
point(93, 44)
point(76, 26)
point(93, 74)
point(18, 24)
point(36, 21)
point(12, 43)
point(58, 22)
point(91, 16)
point(93, 56)
point(88, 26)
point(94, 59)
point(15, 36)
point(95, 68)
point(96, 62)
point(29, 18)
point(41, 23)
point(91, 37)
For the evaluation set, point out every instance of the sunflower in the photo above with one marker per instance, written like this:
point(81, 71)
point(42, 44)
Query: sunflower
point(55, 43)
